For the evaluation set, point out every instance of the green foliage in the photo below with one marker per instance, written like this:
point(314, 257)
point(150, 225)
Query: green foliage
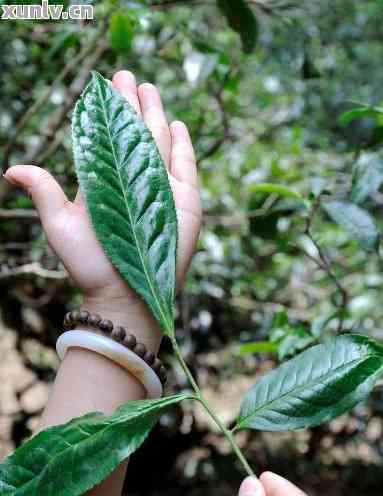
point(69, 459)
point(358, 113)
point(121, 31)
point(241, 19)
point(356, 221)
point(277, 189)
point(314, 387)
point(128, 195)
point(285, 339)
point(258, 347)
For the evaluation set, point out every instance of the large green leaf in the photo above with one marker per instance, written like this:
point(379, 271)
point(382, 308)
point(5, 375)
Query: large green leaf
point(69, 459)
point(356, 221)
point(128, 195)
point(242, 20)
point(314, 387)
point(367, 176)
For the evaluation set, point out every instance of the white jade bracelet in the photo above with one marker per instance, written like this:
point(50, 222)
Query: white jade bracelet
point(115, 352)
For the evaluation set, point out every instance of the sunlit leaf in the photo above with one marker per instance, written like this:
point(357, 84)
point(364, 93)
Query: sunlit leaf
point(258, 347)
point(367, 176)
point(277, 189)
point(356, 221)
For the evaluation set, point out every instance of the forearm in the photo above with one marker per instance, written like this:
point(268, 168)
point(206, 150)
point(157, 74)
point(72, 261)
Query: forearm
point(87, 381)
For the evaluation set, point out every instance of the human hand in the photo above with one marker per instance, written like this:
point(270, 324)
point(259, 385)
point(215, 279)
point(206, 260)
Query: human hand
point(69, 231)
point(269, 484)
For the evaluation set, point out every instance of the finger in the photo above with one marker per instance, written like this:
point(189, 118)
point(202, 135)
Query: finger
point(276, 485)
point(182, 160)
point(125, 83)
point(46, 193)
point(251, 487)
point(154, 117)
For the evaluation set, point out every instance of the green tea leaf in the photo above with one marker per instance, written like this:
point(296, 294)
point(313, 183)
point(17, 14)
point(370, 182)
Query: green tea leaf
point(128, 195)
point(358, 113)
point(277, 189)
point(242, 20)
point(367, 176)
point(69, 459)
point(314, 387)
point(121, 30)
point(356, 221)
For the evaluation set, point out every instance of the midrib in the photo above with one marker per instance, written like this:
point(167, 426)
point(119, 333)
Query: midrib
point(165, 320)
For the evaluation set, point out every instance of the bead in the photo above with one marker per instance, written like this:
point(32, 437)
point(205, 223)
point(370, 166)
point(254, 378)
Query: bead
point(157, 365)
point(67, 317)
point(162, 374)
point(140, 350)
point(119, 333)
point(130, 341)
point(74, 316)
point(94, 319)
point(67, 321)
point(83, 318)
point(106, 325)
point(149, 357)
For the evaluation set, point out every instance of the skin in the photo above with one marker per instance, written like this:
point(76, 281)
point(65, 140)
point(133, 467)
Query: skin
point(83, 374)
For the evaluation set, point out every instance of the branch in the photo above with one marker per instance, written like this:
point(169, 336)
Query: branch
point(324, 264)
point(18, 213)
point(31, 269)
point(167, 4)
point(72, 64)
point(217, 143)
point(58, 118)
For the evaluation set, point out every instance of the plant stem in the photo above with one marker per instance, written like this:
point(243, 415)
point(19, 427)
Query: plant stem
point(199, 396)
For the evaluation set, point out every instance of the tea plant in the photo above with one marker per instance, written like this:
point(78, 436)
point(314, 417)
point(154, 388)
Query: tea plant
point(130, 203)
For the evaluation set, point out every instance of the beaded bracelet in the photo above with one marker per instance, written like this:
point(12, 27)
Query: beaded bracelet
point(119, 334)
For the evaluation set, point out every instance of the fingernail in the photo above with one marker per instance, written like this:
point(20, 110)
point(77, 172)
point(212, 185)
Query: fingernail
point(127, 76)
point(250, 487)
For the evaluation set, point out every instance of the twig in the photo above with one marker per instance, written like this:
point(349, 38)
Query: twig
point(167, 4)
point(217, 143)
point(324, 264)
point(18, 213)
point(31, 269)
point(72, 64)
point(58, 118)
point(240, 218)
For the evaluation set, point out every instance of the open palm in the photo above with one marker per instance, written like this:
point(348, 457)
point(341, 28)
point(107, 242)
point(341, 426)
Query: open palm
point(67, 223)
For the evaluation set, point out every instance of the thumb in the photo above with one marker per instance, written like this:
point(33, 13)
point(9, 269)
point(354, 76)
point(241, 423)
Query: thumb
point(276, 485)
point(251, 487)
point(46, 193)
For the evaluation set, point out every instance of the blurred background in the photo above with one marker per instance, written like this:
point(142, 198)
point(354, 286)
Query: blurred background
point(283, 102)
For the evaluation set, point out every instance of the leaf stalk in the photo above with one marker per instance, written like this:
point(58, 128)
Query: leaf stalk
point(199, 396)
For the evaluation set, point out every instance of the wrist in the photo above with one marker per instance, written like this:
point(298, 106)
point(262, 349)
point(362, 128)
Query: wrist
point(131, 313)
